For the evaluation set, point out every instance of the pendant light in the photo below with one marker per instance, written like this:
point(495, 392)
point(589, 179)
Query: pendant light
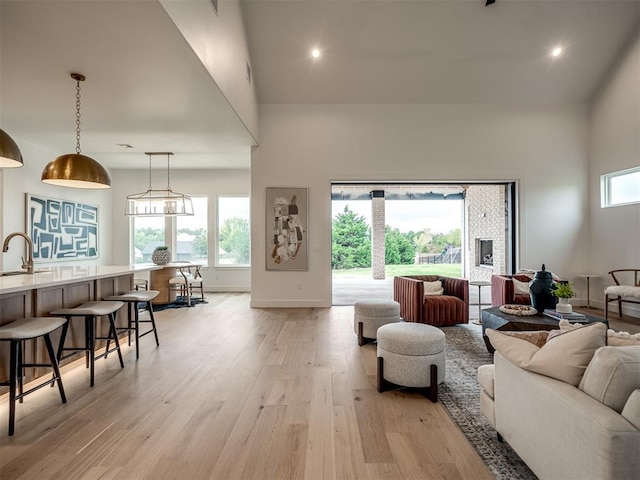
point(74, 169)
point(158, 203)
point(10, 156)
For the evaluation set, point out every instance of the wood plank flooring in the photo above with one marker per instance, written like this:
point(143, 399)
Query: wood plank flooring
point(236, 393)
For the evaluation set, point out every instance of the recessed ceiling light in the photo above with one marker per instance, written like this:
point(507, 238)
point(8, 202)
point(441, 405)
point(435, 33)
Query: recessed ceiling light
point(315, 53)
point(556, 52)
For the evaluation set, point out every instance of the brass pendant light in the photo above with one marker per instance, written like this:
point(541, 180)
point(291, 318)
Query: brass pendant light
point(74, 169)
point(158, 203)
point(10, 156)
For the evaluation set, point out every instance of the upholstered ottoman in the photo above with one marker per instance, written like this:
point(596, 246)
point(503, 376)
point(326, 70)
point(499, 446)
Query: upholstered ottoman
point(369, 315)
point(411, 355)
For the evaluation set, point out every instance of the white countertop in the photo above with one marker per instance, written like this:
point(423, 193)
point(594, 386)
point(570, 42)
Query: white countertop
point(49, 276)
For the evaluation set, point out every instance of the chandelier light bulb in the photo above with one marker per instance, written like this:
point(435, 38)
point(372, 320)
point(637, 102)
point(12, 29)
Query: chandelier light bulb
point(315, 53)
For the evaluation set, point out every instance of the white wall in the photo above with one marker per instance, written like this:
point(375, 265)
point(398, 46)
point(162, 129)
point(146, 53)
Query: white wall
point(210, 183)
point(221, 45)
point(16, 182)
point(543, 148)
point(614, 144)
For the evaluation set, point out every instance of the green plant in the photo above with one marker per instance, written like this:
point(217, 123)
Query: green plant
point(563, 290)
point(161, 248)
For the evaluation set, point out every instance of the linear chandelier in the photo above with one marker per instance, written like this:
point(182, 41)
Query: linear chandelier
point(158, 203)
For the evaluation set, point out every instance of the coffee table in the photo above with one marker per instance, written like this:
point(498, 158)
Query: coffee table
point(497, 320)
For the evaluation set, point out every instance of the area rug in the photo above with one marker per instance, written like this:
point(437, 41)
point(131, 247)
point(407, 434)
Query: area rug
point(179, 303)
point(460, 395)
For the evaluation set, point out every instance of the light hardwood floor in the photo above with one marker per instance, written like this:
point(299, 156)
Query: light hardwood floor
point(236, 393)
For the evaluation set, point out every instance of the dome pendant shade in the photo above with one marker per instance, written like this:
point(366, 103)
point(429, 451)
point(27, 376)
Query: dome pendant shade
point(77, 171)
point(74, 169)
point(10, 156)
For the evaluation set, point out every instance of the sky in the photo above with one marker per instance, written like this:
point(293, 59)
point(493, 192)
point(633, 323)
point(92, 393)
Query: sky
point(440, 216)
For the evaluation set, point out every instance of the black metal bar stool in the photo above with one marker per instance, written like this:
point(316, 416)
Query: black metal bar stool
point(91, 311)
point(134, 298)
point(17, 332)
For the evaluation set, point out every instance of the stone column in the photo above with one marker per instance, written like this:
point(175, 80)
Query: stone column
point(377, 235)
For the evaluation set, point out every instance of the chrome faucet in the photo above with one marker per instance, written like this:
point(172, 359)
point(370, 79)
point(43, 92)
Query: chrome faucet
point(28, 265)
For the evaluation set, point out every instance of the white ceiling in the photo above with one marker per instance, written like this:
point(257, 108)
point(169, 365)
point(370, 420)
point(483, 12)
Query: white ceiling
point(145, 86)
point(428, 51)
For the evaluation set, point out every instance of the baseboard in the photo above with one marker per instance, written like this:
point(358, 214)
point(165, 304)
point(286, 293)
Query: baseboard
point(288, 304)
point(227, 288)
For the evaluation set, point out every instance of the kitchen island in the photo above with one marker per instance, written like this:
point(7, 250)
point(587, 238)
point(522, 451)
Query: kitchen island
point(51, 288)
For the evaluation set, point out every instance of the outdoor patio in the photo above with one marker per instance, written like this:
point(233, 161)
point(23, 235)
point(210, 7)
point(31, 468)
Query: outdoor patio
point(348, 290)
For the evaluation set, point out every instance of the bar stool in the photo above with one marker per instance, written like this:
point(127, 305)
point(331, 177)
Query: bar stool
point(133, 299)
point(16, 332)
point(91, 311)
point(141, 283)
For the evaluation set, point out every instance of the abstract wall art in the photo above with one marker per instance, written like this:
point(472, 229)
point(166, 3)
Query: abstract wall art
point(62, 229)
point(287, 243)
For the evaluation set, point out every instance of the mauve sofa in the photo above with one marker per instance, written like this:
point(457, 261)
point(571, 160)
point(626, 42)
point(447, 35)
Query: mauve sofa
point(450, 308)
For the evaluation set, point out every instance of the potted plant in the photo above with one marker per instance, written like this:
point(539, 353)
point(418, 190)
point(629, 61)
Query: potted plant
point(161, 255)
point(563, 291)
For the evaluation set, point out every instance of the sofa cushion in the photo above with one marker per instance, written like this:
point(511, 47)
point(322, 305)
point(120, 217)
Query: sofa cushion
point(612, 374)
point(433, 288)
point(520, 288)
point(631, 410)
point(564, 358)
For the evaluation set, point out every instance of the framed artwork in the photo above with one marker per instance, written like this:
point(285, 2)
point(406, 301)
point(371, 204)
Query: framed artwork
point(287, 241)
point(62, 229)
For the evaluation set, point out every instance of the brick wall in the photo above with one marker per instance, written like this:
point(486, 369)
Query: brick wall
point(485, 219)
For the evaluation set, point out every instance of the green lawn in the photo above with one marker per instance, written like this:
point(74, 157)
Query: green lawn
point(444, 269)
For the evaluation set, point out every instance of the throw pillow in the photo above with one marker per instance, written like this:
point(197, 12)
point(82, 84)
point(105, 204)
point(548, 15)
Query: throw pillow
point(565, 326)
point(520, 288)
point(433, 288)
point(612, 376)
point(564, 358)
point(538, 337)
point(622, 339)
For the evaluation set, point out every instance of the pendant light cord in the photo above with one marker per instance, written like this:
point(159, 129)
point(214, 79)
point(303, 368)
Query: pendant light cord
point(168, 178)
point(149, 171)
point(78, 117)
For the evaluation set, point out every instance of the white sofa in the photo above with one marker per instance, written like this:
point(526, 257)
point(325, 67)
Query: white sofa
point(560, 431)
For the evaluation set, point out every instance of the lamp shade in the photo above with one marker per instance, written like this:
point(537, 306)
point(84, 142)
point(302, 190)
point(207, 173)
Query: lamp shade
point(10, 156)
point(77, 171)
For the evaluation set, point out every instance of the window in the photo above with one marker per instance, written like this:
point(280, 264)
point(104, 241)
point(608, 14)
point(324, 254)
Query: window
point(186, 236)
point(620, 188)
point(148, 233)
point(191, 234)
point(234, 236)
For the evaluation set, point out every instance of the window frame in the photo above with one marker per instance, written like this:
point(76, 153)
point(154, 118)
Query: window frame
point(216, 245)
point(605, 188)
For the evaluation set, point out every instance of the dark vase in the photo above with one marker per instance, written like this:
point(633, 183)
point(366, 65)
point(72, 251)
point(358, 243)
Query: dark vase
point(540, 290)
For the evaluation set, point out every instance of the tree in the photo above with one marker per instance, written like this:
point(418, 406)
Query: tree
point(351, 245)
point(234, 238)
point(398, 247)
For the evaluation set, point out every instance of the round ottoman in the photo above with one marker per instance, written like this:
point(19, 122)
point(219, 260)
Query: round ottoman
point(369, 315)
point(411, 355)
